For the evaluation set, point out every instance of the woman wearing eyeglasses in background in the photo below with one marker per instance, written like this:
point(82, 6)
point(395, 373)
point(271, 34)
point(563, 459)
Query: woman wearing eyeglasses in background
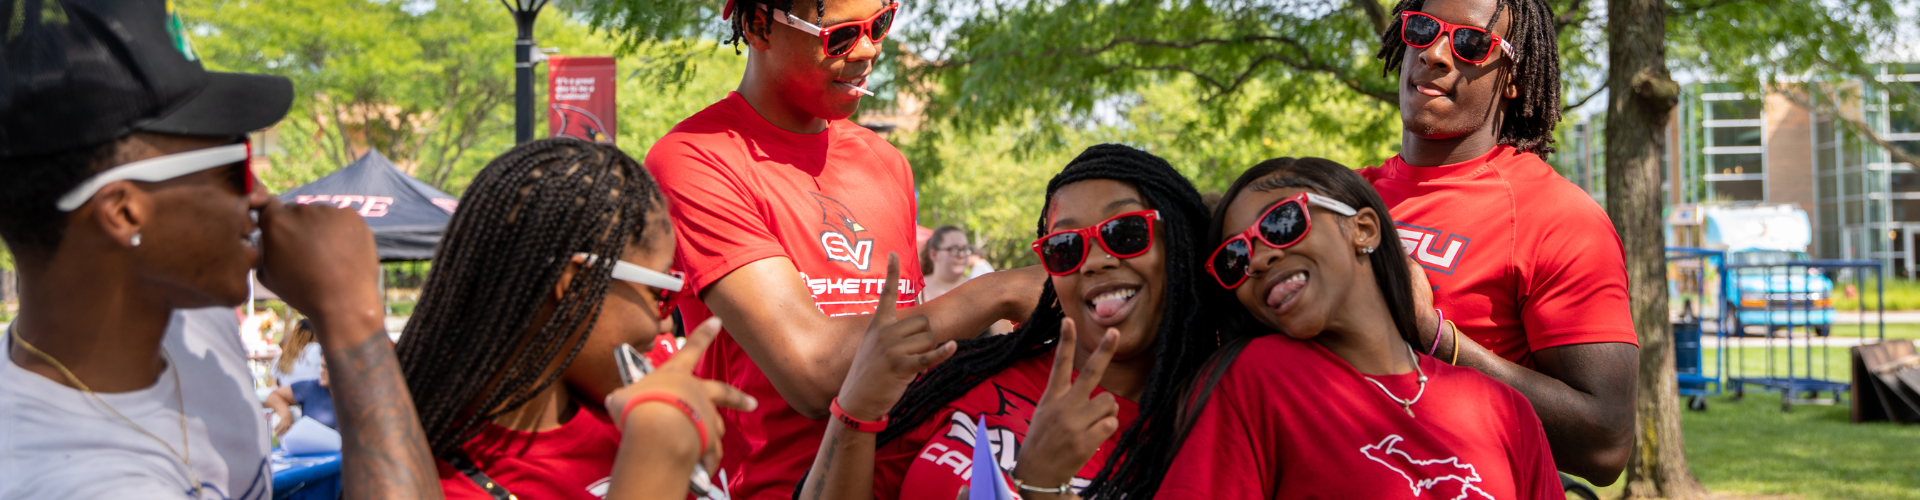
point(552, 262)
point(1120, 235)
point(945, 261)
point(1318, 393)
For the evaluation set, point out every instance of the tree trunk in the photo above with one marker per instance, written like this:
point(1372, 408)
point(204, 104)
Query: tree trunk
point(1642, 99)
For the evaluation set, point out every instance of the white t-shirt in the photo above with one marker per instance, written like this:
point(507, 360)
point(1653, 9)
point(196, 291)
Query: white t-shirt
point(58, 443)
point(305, 367)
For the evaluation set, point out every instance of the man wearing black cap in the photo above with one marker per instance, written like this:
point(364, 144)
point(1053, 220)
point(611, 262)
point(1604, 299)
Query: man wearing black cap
point(126, 196)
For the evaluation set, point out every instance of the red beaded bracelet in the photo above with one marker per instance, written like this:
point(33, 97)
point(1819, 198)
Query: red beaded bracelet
point(667, 397)
point(857, 425)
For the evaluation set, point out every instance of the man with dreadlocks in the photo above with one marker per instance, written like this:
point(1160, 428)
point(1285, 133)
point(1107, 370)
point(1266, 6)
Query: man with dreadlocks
point(1122, 322)
point(1527, 273)
point(785, 211)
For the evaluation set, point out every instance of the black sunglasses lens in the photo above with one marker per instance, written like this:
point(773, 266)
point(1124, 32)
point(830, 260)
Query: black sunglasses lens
point(1128, 235)
point(1061, 253)
point(1230, 263)
point(882, 25)
point(1284, 225)
point(1420, 30)
point(840, 41)
point(1471, 45)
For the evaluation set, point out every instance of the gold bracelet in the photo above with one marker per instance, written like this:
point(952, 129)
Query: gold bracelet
point(1456, 343)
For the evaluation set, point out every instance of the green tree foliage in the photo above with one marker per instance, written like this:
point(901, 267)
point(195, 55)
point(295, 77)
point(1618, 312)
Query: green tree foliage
point(430, 84)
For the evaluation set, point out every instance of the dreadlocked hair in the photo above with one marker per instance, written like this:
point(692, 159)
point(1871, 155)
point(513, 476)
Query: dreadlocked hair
point(741, 22)
point(1184, 337)
point(472, 351)
point(1388, 261)
point(1530, 119)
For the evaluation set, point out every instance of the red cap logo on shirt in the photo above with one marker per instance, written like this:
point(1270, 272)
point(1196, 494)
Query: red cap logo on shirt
point(841, 239)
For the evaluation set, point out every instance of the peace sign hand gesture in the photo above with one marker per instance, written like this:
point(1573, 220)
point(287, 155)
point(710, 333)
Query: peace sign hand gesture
point(891, 354)
point(1069, 424)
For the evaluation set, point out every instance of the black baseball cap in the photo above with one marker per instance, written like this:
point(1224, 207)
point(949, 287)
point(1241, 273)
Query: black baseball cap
point(76, 73)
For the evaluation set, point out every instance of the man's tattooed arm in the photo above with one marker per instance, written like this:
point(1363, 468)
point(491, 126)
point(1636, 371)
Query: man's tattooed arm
point(384, 451)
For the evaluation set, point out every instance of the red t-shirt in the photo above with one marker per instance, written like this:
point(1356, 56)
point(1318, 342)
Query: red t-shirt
point(1520, 259)
point(936, 459)
point(834, 203)
point(1291, 420)
point(574, 461)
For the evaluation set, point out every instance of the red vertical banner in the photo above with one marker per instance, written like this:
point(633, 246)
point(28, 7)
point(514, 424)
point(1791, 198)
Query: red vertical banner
point(580, 98)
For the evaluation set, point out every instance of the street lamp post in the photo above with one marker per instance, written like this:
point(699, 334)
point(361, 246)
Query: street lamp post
point(524, 12)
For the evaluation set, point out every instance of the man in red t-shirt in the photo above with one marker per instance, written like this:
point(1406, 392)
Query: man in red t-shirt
point(1524, 262)
point(786, 212)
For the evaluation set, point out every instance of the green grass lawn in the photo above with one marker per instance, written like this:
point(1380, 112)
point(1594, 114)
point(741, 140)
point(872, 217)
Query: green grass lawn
point(1902, 295)
point(1749, 447)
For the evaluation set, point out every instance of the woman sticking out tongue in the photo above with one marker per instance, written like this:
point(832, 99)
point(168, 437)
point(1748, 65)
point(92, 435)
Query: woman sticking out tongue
point(1318, 393)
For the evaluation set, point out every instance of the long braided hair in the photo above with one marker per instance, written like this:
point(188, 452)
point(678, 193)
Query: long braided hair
point(742, 21)
point(1530, 119)
point(1388, 260)
point(472, 351)
point(1185, 336)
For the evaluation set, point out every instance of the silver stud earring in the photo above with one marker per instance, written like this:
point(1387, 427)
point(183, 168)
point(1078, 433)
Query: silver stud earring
point(1368, 251)
point(135, 240)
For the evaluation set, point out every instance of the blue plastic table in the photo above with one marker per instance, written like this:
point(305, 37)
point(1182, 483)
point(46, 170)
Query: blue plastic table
point(305, 477)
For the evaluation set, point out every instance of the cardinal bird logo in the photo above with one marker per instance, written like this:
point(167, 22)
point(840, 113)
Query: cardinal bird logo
point(1446, 478)
point(580, 124)
point(841, 238)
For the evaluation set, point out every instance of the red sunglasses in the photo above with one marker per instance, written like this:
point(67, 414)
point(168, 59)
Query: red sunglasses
point(665, 297)
point(1282, 226)
point(1420, 30)
point(1124, 236)
point(839, 39)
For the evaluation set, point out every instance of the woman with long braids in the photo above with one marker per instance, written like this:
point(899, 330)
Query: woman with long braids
point(1319, 391)
point(551, 263)
point(1522, 261)
point(1120, 235)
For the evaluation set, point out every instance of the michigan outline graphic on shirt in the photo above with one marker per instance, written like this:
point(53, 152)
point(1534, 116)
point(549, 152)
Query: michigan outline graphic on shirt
point(1447, 477)
point(1423, 244)
point(841, 239)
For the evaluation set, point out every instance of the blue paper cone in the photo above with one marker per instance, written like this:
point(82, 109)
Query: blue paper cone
point(987, 483)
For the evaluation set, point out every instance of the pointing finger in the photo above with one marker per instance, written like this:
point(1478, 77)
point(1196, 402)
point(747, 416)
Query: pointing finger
point(726, 396)
point(889, 293)
point(1096, 365)
point(1062, 359)
point(696, 347)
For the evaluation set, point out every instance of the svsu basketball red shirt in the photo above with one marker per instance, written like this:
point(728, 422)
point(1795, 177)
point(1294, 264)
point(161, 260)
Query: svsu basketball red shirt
point(935, 459)
point(740, 190)
point(1520, 258)
point(1289, 419)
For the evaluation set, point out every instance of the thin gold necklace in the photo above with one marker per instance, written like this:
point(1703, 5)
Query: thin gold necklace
point(179, 394)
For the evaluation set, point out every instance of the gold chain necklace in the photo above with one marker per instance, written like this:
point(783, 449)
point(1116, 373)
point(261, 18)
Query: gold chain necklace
point(179, 394)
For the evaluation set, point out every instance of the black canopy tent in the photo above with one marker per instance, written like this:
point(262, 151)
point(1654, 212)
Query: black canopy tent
point(407, 216)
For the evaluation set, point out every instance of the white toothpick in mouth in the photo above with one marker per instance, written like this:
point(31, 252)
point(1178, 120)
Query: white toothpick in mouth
point(862, 90)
